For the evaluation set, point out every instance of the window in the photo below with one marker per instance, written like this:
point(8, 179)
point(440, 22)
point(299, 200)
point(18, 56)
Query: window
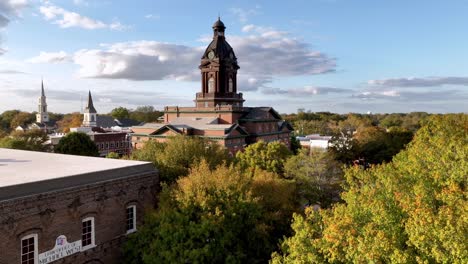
point(29, 252)
point(131, 219)
point(231, 86)
point(92, 118)
point(211, 85)
point(87, 233)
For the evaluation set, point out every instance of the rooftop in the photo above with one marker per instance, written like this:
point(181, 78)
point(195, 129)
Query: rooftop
point(27, 172)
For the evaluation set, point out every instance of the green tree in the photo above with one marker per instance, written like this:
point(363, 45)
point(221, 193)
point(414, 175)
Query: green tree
point(34, 140)
point(120, 113)
point(412, 210)
point(265, 156)
point(6, 118)
point(317, 176)
point(178, 154)
point(77, 143)
point(214, 216)
point(113, 155)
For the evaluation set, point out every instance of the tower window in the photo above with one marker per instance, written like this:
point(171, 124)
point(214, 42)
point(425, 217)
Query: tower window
point(29, 252)
point(131, 219)
point(231, 85)
point(211, 85)
point(92, 118)
point(87, 233)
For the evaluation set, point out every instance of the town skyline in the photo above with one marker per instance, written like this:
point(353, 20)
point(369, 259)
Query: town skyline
point(324, 56)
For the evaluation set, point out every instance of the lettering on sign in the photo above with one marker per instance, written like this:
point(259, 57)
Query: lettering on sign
point(61, 249)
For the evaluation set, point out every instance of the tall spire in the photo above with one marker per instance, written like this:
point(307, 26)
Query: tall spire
point(90, 107)
point(42, 88)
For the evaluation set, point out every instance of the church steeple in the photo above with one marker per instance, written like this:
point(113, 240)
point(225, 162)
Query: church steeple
point(42, 116)
point(90, 113)
point(219, 72)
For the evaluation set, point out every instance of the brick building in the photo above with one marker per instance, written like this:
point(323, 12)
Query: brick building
point(219, 113)
point(70, 209)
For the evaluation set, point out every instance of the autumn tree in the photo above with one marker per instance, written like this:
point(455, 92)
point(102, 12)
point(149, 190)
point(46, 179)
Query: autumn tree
point(178, 154)
point(264, 156)
point(214, 216)
point(77, 143)
point(412, 210)
point(21, 119)
point(69, 121)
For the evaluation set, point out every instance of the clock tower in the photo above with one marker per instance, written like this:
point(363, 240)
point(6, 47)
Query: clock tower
point(218, 73)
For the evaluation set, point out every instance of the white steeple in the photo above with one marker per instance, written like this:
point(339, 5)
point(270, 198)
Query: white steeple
point(90, 113)
point(42, 116)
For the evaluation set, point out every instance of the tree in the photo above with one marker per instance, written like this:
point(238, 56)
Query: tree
point(69, 121)
point(145, 114)
point(6, 118)
point(120, 113)
point(265, 156)
point(317, 176)
point(178, 154)
point(113, 155)
point(21, 119)
point(77, 143)
point(295, 145)
point(34, 139)
point(214, 216)
point(412, 210)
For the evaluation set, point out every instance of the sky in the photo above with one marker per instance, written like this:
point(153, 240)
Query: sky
point(320, 55)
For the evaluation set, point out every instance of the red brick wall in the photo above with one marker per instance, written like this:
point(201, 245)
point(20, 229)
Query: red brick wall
point(61, 213)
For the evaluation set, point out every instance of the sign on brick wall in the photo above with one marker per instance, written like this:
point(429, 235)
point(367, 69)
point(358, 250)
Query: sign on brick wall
point(61, 249)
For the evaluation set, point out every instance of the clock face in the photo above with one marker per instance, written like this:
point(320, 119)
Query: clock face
point(211, 55)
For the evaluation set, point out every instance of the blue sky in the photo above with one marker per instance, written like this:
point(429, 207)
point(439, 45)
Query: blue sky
point(320, 55)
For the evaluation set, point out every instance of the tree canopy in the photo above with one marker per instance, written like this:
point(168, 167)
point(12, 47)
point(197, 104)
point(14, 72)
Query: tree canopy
point(178, 154)
point(120, 113)
point(214, 216)
point(411, 210)
point(77, 143)
point(265, 156)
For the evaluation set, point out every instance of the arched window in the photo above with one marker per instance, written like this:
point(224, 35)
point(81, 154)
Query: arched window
point(231, 85)
point(29, 252)
point(211, 85)
point(87, 233)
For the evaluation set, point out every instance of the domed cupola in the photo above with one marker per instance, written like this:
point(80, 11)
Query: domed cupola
point(219, 72)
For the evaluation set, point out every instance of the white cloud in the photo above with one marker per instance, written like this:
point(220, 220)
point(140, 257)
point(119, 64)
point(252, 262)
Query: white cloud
point(413, 96)
point(50, 57)
point(80, 2)
point(305, 91)
point(10, 9)
point(261, 58)
point(152, 16)
point(244, 14)
point(419, 82)
point(67, 19)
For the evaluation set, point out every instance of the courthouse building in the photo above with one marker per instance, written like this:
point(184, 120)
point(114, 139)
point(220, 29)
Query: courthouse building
point(219, 113)
point(70, 209)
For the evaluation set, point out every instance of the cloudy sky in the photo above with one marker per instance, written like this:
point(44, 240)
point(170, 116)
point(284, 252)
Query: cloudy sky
point(320, 55)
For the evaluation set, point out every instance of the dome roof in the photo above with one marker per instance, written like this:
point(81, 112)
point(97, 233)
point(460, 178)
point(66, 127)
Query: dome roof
point(218, 24)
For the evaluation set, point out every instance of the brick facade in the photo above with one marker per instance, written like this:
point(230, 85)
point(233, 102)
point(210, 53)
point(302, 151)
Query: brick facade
point(61, 212)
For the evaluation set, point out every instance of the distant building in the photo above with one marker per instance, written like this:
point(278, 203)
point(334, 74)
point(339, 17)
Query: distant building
point(314, 141)
point(219, 113)
point(42, 117)
point(70, 209)
point(105, 131)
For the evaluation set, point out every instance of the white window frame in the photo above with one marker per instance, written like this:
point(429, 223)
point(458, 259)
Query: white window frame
point(36, 247)
point(134, 219)
point(93, 241)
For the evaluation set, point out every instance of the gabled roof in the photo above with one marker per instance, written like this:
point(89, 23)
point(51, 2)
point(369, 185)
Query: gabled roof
point(127, 122)
point(165, 128)
point(260, 113)
point(105, 121)
point(285, 124)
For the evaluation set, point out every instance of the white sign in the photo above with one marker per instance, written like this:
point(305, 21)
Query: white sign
point(61, 249)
